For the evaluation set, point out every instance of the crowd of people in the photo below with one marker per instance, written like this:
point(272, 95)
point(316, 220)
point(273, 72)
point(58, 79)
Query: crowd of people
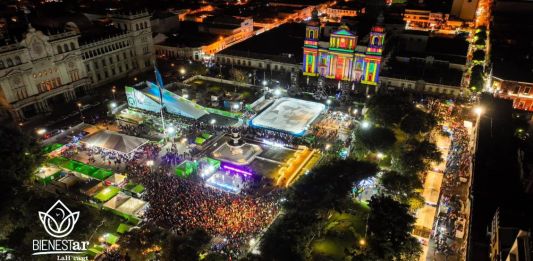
point(182, 205)
point(456, 177)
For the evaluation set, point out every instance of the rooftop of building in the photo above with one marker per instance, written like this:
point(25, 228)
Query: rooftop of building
point(289, 39)
point(189, 36)
point(436, 6)
point(512, 52)
point(418, 69)
point(351, 5)
point(223, 20)
point(99, 31)
point(199, 39)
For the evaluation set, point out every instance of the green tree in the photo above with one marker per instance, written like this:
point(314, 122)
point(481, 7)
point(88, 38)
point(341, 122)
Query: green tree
point(389, 110)
point(307, 204)
point(476, 78)
point(399, 186)
point(478, 55)
point(375, 139)
point(418, 121)
point(416, 156)
point(20, 155)
point(185, 247)
point(389, 230)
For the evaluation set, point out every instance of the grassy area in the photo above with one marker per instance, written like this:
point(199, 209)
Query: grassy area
point(341, 233)
point(107, 193)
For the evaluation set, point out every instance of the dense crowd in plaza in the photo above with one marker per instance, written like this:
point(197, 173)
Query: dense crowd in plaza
point(182, 205)
point(456, 176)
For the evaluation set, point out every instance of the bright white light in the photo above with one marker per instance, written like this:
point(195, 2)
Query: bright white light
point(277, 92)
point(236, 106)
point(113, 105)
point(41, 131)
point(355, 111)
point(184, 140)
point(182, 71)
point(150, 163)
point(328, 102)
point(479, 110)
point(186, 96)
point(380, 155)
point(365, 124)
point(264, 82)
point(171, 130)
point(213, 121)
point(328, 146)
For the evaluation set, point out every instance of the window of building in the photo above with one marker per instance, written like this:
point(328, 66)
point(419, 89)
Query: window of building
point(88, 67)
point(136, 26)
point(9, 62)
point(527, 90)
point(120, 68)
point(106, 74)
point(65, 47)
point(17, 60)
point(124, 55)
point(113, 71)
point(72, 46)
point(2, 65)
point(98, 76)
point(127, 67)
point(145, 24)
point(110, 60)
point(59, 49)
point(103, 62)
point(95, 65)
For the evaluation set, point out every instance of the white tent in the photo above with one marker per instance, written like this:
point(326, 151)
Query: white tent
point(114, 141)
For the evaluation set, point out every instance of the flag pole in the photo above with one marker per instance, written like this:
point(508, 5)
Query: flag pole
point(159, 81)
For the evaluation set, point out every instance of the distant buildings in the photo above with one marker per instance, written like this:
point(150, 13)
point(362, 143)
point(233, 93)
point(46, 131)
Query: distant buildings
point(440, 16)
point(46, 67)
point(427, 64)
point(510, 236)
point(512, 53)
point(201, 42)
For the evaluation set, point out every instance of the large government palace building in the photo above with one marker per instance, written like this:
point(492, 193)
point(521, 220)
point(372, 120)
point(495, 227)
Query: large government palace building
point(45, 66)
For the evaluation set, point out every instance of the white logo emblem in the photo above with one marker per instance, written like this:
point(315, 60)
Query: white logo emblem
point(59, 221)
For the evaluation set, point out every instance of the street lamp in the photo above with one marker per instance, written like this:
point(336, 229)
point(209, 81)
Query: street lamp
point(365, 124)
point(182, 71)
point(265, 83)
point(277, 92)
point(479, 110)
point(235, 106)
point(362, 242)
point(81, 112)
point(328, 102)
point(355, 111)
point(380, 155)
point(113, 105)
point(213, 121)
point(41, 131)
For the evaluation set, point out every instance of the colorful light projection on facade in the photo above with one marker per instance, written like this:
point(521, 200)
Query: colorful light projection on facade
point(341, 59)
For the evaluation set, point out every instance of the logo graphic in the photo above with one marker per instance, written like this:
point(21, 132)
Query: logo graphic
point(59, 221)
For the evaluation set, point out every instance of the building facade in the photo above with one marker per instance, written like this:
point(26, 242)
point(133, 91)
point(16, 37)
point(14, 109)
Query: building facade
point(43, 71)
point(521, 93)
point(342, 58)
point(127, 51)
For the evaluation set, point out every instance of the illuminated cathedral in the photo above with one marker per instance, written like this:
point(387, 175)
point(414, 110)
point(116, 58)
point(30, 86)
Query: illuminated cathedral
point(342, 58)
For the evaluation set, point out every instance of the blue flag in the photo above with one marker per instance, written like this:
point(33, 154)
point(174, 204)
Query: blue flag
point(158, 78)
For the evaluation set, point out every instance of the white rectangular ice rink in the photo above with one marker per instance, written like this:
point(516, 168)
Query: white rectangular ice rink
point(289, 115)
